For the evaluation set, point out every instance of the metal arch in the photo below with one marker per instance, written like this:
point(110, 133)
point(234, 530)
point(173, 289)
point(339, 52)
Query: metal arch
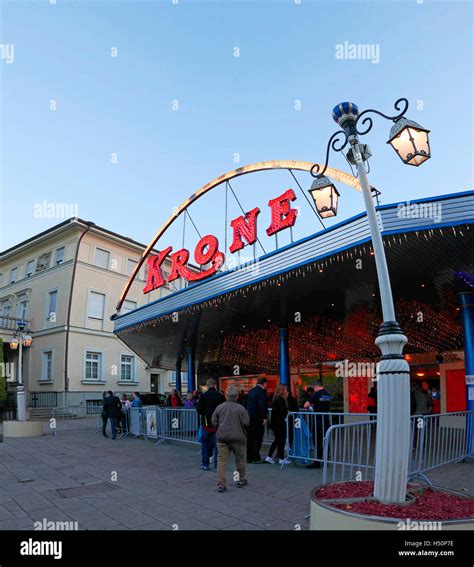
point(337, 174)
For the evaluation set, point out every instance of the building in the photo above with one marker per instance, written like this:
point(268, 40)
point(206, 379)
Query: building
point(65, 282)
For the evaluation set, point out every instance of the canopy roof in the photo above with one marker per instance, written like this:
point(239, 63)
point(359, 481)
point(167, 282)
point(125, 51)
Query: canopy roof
point(325, 288)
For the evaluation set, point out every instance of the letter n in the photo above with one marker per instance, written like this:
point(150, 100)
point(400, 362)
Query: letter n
point(155, 275)
point(245, 227)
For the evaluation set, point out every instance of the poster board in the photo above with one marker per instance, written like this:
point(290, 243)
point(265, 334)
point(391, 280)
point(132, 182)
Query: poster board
point(151, 423)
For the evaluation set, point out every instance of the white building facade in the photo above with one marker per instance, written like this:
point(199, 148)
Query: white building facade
point(65, 283)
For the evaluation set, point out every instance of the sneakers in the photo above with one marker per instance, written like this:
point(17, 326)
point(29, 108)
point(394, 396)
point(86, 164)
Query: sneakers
point(221, 488)
point(270, 460)
point(284, 462)
point(204, 468)
point(242, 483)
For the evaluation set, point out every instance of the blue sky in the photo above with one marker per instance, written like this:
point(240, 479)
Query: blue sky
point(227, 105)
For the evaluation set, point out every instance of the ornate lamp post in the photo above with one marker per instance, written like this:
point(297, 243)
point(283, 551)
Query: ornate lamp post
point(21, 339)
point(411, 143)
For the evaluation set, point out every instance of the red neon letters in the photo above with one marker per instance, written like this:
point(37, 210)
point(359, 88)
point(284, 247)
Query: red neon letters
point(244, 227)
point(283, 216)
point(207, 249)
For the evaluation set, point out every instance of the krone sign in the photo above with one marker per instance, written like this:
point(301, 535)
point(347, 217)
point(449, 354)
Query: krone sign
point(207, 251)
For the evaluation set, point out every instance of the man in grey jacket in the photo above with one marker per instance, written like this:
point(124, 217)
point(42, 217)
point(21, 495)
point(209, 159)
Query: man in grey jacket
point(232, 422)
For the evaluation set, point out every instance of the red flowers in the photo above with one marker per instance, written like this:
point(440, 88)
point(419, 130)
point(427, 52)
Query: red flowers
point(430, 504)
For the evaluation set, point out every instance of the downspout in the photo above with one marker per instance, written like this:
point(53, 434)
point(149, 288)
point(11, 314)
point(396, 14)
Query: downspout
point(69, 307)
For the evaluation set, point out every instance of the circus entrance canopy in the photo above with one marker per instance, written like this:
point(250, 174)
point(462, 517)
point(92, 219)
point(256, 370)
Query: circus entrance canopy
point(322, 290)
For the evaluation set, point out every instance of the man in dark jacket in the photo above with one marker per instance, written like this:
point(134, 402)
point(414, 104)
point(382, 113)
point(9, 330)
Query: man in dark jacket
point(320, 403)
point(257, 407)
point(113, 409)
point(205, 407)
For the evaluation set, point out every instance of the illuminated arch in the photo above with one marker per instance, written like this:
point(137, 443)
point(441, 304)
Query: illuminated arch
point(336, 174)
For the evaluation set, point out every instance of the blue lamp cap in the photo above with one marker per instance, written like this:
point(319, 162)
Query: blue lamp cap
point(344, 111)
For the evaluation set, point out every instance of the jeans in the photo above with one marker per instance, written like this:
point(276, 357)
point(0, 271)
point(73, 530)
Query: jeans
point(114, 422)
point(239, 450)
point(208, 447)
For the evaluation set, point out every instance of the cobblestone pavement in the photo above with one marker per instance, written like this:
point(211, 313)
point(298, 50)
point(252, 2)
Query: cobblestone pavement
point(102, 484)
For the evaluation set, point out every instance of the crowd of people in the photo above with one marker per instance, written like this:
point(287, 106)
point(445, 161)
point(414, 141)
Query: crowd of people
point(116, 410)
point(234, 421)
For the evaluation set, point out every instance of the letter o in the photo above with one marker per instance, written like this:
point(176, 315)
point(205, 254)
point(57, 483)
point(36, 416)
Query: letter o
point(203, 256)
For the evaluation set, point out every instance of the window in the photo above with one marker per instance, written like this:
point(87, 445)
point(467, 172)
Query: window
point(96, 305)
point(102, 258)
point(47, 366)
point(93, 365)
point(13, 275)
point(127, 368)
point(30, 268)
point(52, 306)
point(59, 257)
point(43, 262)
point(131, 264)
point(22, 309)
point(129, 306)
point(6, 308)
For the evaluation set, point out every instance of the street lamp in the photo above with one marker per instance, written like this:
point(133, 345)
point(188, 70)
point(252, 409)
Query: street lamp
point(21, 338)
point(325, 196)
point(411, 143)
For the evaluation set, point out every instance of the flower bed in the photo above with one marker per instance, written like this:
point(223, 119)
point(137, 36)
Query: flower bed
point(426, 503)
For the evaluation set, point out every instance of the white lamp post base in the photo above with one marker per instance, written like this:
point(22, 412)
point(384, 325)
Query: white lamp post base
point(20, 403)
point(393, 416)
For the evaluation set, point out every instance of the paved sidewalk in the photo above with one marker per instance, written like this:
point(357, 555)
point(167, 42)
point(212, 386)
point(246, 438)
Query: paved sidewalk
point(132, 484)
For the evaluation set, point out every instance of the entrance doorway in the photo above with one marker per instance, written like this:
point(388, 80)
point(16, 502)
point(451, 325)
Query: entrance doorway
point(155, 383)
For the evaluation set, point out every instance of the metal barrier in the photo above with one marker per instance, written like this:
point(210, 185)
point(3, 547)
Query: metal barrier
point(306, 431)
point(144, 422)
point(179, 424)
point(435, 440)
point(440, 439)
point(73, 418)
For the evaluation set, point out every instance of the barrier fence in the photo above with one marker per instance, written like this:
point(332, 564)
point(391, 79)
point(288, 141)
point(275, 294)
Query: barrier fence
point(171, 424)
point(435, 440)
point(71, 418)
point(343, 444)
